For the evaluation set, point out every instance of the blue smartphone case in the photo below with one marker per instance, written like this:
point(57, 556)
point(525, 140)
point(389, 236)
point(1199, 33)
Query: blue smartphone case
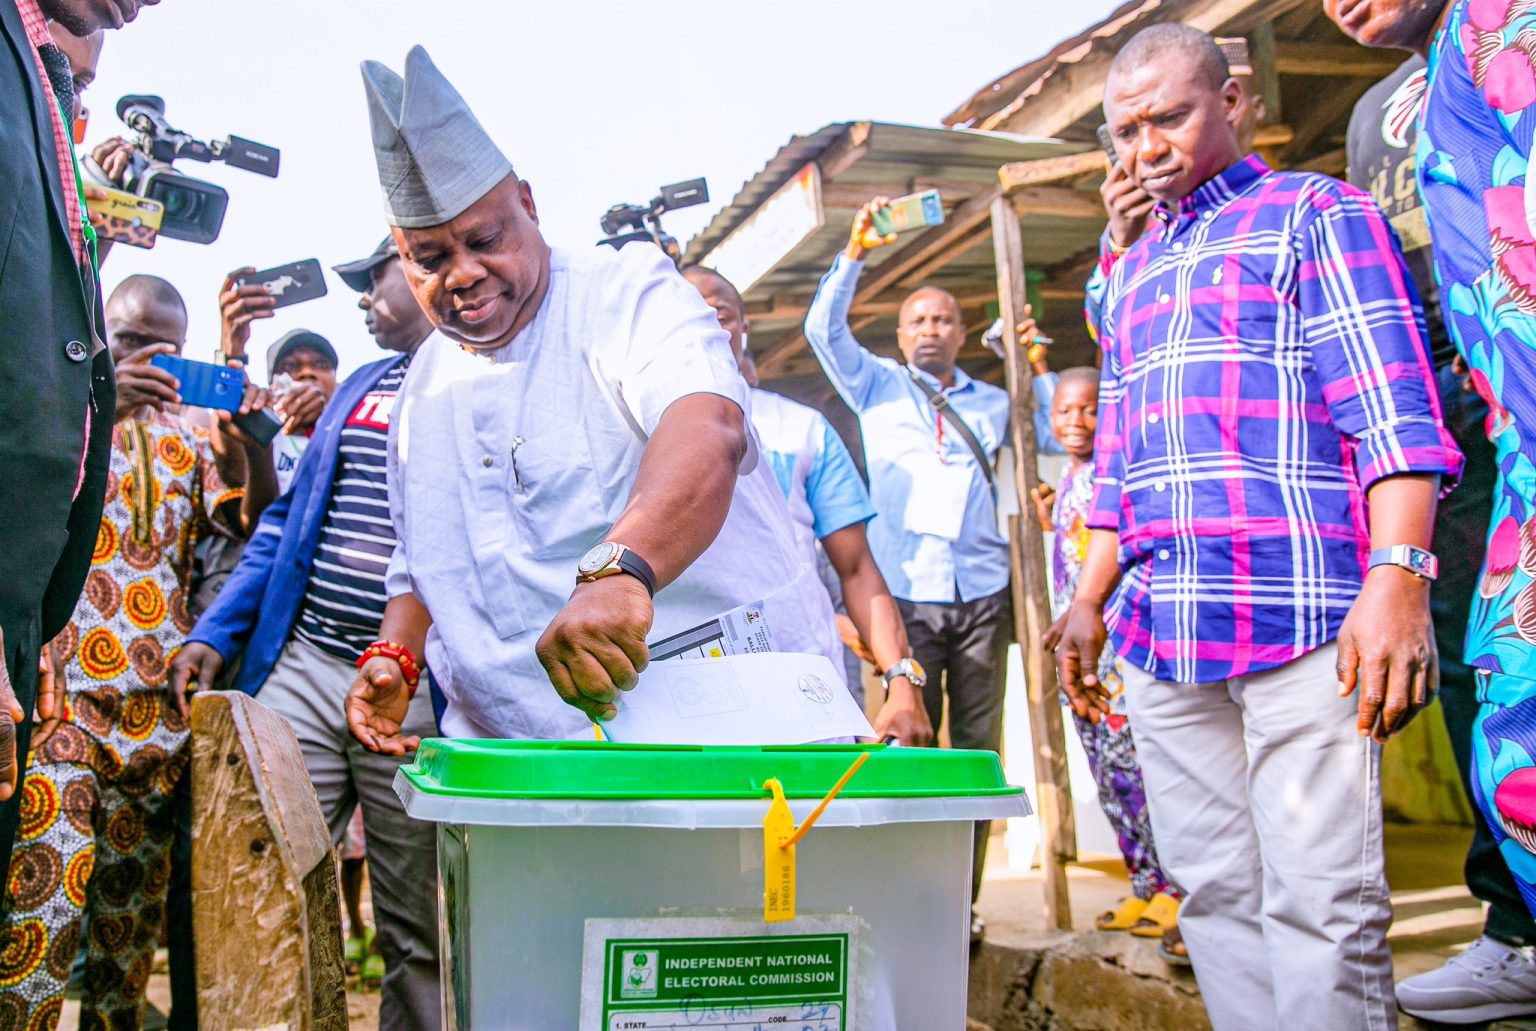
point(204, 384)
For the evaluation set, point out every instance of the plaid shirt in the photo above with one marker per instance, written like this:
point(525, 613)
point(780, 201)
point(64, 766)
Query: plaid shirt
point(1265, 363)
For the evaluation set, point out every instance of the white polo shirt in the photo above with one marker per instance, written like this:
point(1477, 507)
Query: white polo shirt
point(506, 467)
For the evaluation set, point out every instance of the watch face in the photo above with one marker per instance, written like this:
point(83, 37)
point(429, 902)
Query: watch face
point(1420, 560)
point(597, 558)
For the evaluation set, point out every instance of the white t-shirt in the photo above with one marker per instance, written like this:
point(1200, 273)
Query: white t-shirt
point(505, 468)
point(287, 449)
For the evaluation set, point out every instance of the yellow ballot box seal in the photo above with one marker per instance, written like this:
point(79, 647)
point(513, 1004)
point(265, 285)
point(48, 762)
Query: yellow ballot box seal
point(779, 838)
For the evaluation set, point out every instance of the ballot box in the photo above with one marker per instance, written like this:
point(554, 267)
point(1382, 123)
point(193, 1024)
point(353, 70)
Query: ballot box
point(599, 885)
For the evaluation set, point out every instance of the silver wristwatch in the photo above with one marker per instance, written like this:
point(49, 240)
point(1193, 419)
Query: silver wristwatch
point(908, 668)
point(1417, 561)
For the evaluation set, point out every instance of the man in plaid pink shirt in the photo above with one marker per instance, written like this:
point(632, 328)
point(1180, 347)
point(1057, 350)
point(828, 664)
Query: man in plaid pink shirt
point(1269, 453)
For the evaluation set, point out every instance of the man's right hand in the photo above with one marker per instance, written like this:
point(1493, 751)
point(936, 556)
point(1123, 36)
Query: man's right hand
point(140, 384)
point(115, 158)
point(11, 716)
point(301, 406)
point(1077, 660)
point(193, 669)
point(377, 706)
point(1128, 206)
point(863, 237)
point(238, 306)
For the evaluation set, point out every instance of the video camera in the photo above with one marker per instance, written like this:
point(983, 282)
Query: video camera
point(194, 208)
point(626, 223)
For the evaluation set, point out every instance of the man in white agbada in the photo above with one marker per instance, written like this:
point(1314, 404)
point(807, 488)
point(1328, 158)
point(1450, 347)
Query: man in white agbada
point(575, 409)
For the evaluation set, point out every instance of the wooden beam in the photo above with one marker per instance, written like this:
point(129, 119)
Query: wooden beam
point(794, 306)
point(1273, 136)
point(1031, 590)
point(265, 911)
point(1058, 202)
point(855, 194)
point(1266, 73)
point(846, 152)
point(1341, 60)
point(1018, 174)
point(1075, 90)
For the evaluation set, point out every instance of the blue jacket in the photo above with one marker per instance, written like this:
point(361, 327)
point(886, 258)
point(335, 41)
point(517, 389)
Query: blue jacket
point(254, 613)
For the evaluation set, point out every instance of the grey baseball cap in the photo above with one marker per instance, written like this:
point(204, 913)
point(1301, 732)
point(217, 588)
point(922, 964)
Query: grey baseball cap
point(359, 274)
point(296, 339)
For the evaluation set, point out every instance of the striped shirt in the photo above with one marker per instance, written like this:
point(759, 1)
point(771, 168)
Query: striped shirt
point(344, 602)
point(1265, 363)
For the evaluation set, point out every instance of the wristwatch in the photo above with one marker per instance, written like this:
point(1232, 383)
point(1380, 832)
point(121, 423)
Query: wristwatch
point(611, 557)
point(1417, 561)
point(909, 668)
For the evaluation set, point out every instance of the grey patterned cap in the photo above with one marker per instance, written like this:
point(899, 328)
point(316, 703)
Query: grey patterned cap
point(434, 158)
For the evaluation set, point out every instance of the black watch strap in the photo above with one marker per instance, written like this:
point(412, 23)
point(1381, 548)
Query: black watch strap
point(640, 569)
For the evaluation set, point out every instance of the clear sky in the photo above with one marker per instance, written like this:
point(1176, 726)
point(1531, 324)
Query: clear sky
point(596, 102)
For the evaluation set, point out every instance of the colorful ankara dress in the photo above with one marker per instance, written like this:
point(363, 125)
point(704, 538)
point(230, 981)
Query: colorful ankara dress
point(1474, 151)
point(97, 822)
point(1108, 743)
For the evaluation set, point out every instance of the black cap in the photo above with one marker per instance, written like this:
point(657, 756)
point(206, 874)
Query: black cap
point(356, 273)
point(294, 340)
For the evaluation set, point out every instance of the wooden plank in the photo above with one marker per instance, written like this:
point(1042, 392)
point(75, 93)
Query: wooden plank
point(1019, 174)
point(1341, 60)
point(1075, 90)
point(265, 909)
point(1031, 590)
point(1058, 202)
point(1266, 76)
point(846, 152)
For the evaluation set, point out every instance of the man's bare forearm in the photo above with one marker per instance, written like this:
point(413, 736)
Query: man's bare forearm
point(866, 596)
point(1403, 510)
point(406, 621)
point(1101, 568)
point(683, 491)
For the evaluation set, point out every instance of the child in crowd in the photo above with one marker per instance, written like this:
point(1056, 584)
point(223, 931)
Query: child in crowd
point(1153, 910)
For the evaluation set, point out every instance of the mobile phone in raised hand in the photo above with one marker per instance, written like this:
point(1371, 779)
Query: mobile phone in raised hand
point(289, 284)
point(914, 211)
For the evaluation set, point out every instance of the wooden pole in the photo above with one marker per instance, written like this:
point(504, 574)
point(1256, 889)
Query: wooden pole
point(266, 917)
point(1031, 589)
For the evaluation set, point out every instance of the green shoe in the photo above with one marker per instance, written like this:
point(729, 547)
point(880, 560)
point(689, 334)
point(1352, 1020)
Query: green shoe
point(354, 951)
point(373, 970)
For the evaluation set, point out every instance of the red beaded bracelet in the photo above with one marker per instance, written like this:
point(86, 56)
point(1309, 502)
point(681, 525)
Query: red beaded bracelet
point(402, 655)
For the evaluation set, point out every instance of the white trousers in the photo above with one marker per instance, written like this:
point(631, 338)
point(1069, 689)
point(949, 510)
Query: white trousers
point(1266, 806)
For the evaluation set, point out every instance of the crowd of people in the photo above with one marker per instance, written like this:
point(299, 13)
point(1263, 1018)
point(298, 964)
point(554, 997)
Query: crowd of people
point(563, 454)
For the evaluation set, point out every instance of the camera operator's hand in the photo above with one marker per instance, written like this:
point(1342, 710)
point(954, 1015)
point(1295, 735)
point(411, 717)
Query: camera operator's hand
point(301, 406)
point(863, 237)
point(115, 157)
point(255, 399)
point(141, 385)
point(1127, 204)
point(238, 305)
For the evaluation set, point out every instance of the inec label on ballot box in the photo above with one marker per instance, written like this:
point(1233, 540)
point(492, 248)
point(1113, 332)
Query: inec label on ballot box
point(719, 975)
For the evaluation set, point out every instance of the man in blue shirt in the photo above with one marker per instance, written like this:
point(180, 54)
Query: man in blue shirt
point(935, 537)
point(828, 503)
point(305, 601)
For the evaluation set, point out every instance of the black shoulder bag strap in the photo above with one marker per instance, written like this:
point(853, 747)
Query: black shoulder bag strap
point(940, 403)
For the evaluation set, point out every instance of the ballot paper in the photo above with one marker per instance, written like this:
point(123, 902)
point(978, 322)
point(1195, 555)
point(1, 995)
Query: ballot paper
point(736, 632)
point(765, 698)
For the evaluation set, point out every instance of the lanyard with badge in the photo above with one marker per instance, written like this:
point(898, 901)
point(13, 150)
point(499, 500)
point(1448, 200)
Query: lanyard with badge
point(941, 491)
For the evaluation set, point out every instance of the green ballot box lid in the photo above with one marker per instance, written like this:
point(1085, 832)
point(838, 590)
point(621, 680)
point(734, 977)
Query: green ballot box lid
point(608, 771)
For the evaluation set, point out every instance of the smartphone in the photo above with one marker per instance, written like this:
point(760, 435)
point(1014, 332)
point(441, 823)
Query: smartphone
point(1107, 141)
point(124, 217)
point(204, 384)
point(291, 283)
point(262, 425)
point(914, 211)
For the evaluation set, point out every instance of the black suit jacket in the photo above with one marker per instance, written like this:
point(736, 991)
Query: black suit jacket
point(48, 375)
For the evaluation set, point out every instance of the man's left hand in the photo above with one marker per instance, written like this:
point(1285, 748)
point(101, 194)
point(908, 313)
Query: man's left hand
point(49, 710)
point(595, 646)
point(1387, 650)
point(255, 399)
